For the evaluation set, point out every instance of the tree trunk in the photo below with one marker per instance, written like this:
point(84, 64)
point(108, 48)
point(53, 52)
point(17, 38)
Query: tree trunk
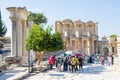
point(40, 57)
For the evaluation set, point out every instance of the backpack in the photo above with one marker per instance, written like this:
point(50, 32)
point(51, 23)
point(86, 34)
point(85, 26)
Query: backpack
point(73, 61)
point(58, 61)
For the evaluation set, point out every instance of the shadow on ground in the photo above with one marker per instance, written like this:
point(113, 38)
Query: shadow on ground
point(56, 74)
point(93, 70)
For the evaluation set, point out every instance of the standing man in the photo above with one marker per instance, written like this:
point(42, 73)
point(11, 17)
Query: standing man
point(112, 58)
point(59, 63)
point(73, 62)
point(80, 59)
point(65, 64)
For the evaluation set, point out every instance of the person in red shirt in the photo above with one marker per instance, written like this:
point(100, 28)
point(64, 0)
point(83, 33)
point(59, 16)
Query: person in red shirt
point(51, 61)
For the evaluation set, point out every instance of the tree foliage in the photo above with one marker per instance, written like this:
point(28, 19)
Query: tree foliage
point(41, 39)
point(113, 35)
point(37, 18)
point(34, 41)
point(3, 28)
point(57, 41)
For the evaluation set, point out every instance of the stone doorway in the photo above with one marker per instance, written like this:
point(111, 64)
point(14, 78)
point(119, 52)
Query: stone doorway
point(106, 51)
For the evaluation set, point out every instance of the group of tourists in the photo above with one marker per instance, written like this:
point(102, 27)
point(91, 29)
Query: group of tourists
point(66, 63)
point(74, 63)
point(109, 60)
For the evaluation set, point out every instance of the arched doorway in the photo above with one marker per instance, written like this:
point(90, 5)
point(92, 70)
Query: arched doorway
point(106, 51)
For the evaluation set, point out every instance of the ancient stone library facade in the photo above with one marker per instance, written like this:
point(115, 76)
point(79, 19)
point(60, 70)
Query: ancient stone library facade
point(83, 37)
point(79, 36)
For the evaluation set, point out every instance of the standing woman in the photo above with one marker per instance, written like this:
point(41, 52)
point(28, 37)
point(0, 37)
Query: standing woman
point(109, 60)
point(102, 60)
point(51, 62)
point(77, 62)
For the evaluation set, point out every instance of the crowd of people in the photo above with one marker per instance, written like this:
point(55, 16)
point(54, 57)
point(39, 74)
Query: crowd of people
point(109, 60)
point(74, 63)
point(71, 63)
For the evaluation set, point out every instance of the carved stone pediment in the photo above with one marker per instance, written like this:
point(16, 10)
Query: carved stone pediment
point(78, 23)
point(90, 23)
point(67, 20)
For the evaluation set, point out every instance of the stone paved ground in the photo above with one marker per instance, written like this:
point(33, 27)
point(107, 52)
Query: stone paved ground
point(14, 70)
point(90, 72)
point(11, 72)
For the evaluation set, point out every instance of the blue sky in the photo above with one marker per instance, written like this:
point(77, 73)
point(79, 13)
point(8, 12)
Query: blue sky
point(106, 12)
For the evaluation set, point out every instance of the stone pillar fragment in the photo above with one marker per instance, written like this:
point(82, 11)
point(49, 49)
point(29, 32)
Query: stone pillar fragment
point(88, 47)
point(92, 46)
point(18, 16)
point(83, 46)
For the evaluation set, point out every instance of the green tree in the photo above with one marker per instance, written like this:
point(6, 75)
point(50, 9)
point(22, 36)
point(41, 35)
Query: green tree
point(35, 39)
point(41, 40)
point(37, 18)
point(57, 43)
point(3, 28)
point(113, 35)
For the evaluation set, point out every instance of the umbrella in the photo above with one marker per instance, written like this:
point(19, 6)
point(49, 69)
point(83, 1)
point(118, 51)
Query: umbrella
point(69, 52)
point(78, 54)
point(64, 55)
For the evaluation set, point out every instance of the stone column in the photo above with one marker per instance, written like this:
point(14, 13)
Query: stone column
point(96, 28)
point(17, 15)
point(110, 49)
point(26, 27)
point(23, 26)
point(14, 37)
point(79, 47)
point(25, 31)
point(19, 38)
point(97, 46)
point(24, 34)
point(70, 44)
point(83, 47)
point(96, 36)
point(88, 47)
point(92, 46)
